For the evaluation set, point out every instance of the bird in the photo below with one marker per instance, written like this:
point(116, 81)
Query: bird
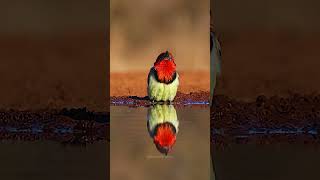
point(162, 124)
point(163, 79)
point(215, 60)
point(215, 70)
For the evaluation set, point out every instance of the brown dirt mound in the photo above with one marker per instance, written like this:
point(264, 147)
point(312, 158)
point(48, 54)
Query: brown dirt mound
point(266, 120)
point(197, 98)
point(74, 126)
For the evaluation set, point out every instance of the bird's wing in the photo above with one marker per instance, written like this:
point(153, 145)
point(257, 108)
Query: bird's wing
point(150, 73)
point(215, 62)
point(217, 49)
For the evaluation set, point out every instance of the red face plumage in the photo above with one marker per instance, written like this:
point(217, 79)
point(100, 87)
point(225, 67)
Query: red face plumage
point(165, 136)
point(165, 67)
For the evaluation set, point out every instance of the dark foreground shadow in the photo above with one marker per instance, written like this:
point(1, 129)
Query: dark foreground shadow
point(146, 98)
point(83, 114)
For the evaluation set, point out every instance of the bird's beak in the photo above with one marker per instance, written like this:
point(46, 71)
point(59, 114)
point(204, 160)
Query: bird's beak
point(166, 150)
point(163, 149)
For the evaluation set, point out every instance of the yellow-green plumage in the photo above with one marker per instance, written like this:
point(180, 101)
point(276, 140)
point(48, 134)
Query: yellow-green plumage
point(160, 114)
point(158, 91)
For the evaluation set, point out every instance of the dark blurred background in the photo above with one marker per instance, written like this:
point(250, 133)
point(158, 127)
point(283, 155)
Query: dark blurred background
point(54, 54)
point(269, 47)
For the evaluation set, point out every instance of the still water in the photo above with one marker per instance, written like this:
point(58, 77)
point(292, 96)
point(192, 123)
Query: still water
point(47, 160)
point(267, 162)
point(160, 142)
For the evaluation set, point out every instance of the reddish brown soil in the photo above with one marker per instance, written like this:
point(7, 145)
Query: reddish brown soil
point(198, 98)
point(259, 121)
point(221, 142)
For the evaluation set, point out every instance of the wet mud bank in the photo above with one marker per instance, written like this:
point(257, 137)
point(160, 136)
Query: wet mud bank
point(182, 99)
point(68, 126)
point(291, 119)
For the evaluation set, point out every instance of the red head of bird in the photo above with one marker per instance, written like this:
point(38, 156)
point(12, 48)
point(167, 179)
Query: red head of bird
point(165, 138)
point(165, 67)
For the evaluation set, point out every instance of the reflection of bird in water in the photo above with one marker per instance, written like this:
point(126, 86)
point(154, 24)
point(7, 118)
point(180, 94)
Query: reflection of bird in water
point(163, 80)
point(215, 60)
point(163, 126)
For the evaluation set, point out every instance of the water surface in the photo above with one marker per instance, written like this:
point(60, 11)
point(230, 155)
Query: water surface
point(48, 160)
point(134, 155)
point(267, 162)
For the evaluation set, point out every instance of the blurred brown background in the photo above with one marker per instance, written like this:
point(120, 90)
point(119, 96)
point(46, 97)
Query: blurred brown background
point(269, 47)
point(140, 31)
point(54, 54)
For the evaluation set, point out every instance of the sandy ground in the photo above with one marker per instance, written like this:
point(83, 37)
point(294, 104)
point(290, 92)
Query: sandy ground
point(135, 83)
point(253, 63)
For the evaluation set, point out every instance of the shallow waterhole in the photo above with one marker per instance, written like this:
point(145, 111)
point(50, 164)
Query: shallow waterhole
point(134, 155)
point(39, 160)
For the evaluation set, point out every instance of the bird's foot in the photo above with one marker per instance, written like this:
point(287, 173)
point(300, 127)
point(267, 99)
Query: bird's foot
point(153, 102)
